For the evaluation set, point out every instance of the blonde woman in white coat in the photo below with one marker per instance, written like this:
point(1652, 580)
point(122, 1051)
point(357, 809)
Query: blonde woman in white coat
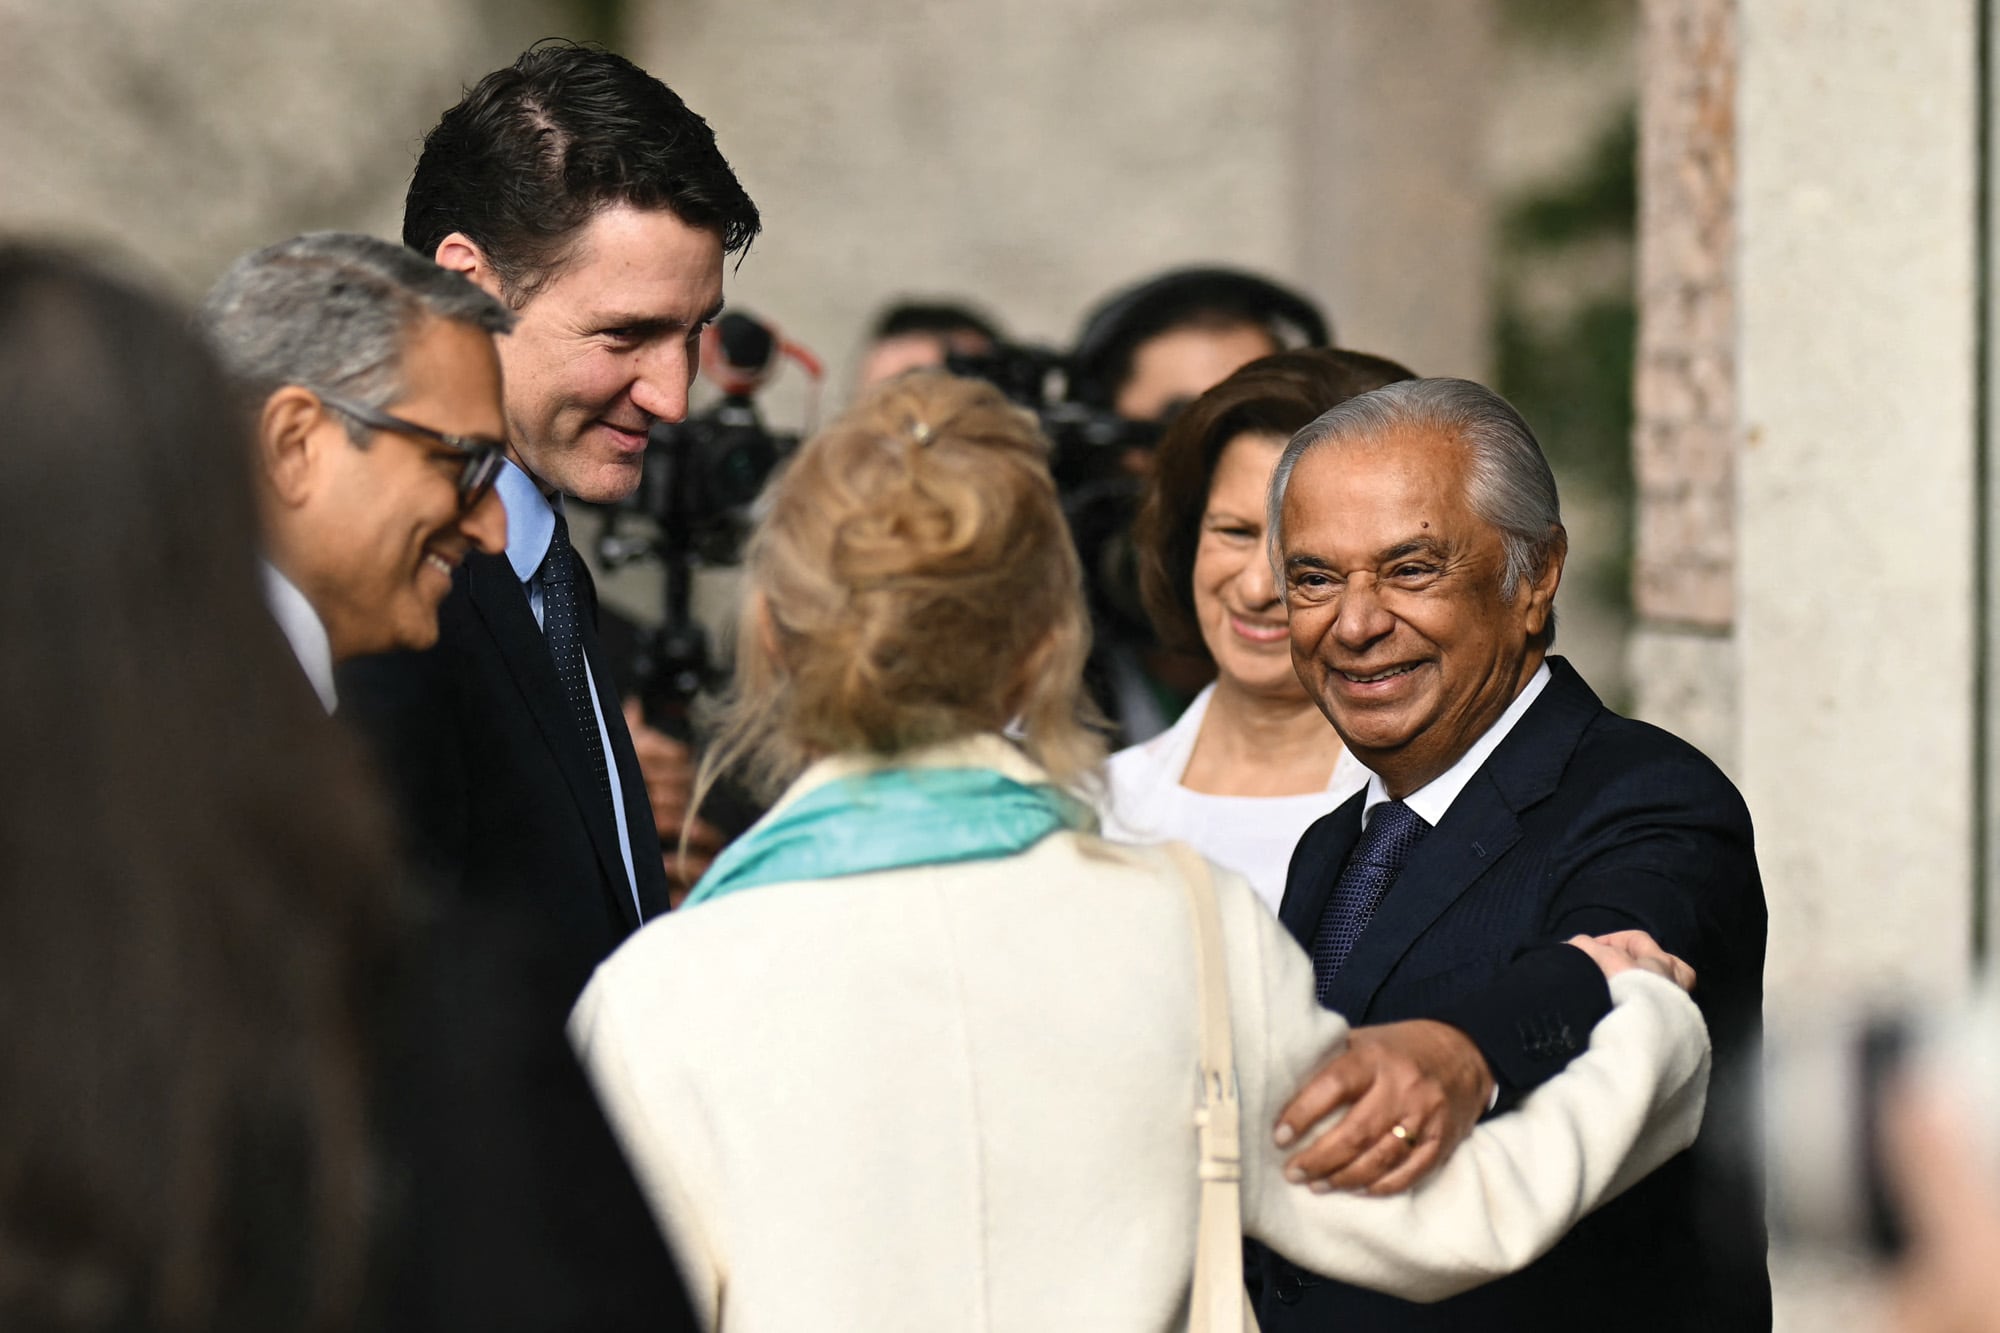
point(920, 1053)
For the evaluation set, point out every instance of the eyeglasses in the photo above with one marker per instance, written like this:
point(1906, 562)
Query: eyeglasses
point(483, 454)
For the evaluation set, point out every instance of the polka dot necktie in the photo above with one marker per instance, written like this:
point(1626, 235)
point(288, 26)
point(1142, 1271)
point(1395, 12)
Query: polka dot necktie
point(562, 623)
point(1393, 832)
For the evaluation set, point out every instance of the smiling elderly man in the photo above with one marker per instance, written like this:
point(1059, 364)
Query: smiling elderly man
point(1419, 544)
point(373, 388)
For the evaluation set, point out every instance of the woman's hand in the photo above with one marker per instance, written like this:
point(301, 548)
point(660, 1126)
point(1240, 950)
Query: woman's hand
point(1623, 949)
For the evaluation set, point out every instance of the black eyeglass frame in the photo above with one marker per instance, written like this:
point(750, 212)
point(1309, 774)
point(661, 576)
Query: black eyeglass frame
point(483, 454)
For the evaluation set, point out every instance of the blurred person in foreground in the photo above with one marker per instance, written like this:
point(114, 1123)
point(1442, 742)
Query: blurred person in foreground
point(1418, 538)
point(583, 194)
point(980, 1015)
point(923, 335)
point(247, 1086)
point(1944, 1178)
point(1251, 762)
point(373, 391)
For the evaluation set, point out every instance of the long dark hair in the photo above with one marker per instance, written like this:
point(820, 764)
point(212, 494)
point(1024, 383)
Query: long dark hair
point(1273, 395)
point(192, 869)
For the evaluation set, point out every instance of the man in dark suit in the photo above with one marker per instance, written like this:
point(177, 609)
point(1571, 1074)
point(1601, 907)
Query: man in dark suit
point(587, 197)
point(372, 386)
point(1419, 543)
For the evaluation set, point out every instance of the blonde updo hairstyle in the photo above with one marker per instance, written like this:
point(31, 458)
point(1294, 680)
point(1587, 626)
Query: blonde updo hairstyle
point(911, 581)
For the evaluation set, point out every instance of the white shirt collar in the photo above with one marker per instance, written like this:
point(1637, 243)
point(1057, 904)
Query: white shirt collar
point(1431, 800)
point(531, 519)
point(303, 630)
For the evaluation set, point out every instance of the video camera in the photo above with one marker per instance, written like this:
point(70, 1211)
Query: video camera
point(701, 477)
point(1087, 440)
point(1099, 491)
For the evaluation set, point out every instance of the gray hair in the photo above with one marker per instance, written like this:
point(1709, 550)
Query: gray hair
point(331, 311)
point(1508, 482)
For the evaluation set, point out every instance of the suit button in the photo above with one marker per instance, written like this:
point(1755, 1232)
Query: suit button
point(1289, 1288)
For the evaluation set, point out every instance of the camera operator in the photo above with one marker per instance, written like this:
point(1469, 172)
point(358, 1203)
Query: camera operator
point(1142, 355)
point(1149, 350)
point(920, 335)
point(1949, 1280)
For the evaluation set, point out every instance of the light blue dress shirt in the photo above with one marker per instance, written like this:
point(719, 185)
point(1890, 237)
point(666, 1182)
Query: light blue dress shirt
point(531, 526)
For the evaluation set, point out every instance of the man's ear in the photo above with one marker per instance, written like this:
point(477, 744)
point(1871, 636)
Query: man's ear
point(1542, 587)
point(461, 254)
point(288, 443)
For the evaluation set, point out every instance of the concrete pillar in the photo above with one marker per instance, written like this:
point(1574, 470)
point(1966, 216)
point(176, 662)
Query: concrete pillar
point(177, 135)
point(1809, 452)
point(1858, 471)
point(1683, 656)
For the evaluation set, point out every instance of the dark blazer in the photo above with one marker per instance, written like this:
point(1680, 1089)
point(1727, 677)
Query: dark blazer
point(1581, 822)
point(482, 757)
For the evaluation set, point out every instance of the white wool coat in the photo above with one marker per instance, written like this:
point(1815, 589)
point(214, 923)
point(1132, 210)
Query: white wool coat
point(961, 1097)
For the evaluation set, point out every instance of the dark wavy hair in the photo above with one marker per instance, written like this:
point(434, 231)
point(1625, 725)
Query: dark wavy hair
point(535, 150)
point(1273, 395)
point(192, 869)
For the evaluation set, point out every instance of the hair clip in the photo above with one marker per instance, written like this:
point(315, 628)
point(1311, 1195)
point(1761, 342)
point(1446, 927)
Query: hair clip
point(922, 431)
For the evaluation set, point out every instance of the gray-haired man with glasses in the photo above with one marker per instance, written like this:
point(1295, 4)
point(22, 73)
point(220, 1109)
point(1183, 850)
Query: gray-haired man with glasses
point(371, 378)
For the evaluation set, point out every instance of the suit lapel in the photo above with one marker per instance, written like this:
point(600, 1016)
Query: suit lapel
point(1476, 832)
point(503, 606)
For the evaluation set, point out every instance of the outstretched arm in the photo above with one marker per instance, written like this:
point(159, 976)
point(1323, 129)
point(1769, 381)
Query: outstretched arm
point(1633, 1099)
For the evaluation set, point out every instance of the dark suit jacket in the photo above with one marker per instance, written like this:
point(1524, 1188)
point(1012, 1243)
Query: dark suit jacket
point(1581, 822)
point(499, 1200)
point(507, 1205)
point(488, 770)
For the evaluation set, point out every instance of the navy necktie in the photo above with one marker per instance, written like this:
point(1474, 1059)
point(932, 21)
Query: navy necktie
point(1393, 832)
point(562, 623)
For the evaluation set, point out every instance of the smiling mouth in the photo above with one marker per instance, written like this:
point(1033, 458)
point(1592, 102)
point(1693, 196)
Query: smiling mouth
point(1259, 631)
point(438, 562)
point(1390, 674)
point(637, 434)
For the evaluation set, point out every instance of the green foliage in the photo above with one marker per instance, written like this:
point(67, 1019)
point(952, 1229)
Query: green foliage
point(1573, 381)
point(1568, 22)
point(1601, 198)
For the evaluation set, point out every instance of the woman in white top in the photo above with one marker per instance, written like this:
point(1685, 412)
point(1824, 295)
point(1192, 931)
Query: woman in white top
point(920, 1051)
point(1251, 762)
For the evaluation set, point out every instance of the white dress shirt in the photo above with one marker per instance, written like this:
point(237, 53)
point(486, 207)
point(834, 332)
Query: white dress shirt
point(1431, 800)
point(531, 526)
point(303, 630)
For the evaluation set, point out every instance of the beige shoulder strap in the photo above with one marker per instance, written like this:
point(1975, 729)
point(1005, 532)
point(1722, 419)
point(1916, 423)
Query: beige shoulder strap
point(1218, 1303)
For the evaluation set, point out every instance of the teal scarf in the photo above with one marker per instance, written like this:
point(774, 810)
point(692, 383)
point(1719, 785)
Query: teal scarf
point(890, 818)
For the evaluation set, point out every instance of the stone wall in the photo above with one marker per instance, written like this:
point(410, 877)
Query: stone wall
point(178, 133)
point(1684, 443)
